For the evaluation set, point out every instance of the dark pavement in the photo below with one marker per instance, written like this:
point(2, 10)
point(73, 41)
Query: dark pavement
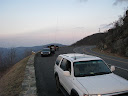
point(44, 67)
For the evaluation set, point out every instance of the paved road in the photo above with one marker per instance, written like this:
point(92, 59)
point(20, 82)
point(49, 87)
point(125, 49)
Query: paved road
point(44, 67)
point(120, 63)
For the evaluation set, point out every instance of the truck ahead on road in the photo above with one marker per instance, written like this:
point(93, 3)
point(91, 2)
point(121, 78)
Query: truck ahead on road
point(53, 48)
point(85, 75)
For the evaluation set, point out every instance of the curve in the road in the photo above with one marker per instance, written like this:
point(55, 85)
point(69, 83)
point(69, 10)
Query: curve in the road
point(104, 56)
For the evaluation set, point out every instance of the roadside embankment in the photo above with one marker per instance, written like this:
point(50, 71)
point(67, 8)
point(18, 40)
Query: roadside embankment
point(10, 83)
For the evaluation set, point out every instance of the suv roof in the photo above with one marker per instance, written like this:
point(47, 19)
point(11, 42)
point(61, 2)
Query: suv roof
point(79, 57)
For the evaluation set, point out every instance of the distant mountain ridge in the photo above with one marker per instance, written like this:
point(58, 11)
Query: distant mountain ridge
point(34, 48)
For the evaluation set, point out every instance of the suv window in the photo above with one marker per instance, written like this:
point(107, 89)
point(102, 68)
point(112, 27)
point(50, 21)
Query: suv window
point(58, 60)
point(66, 65)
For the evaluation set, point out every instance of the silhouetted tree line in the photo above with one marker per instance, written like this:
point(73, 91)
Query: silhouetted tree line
point(115, 40)
point(11, 58)
point(8, 60)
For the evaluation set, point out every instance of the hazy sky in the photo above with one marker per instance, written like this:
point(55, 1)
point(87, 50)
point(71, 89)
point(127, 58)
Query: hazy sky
point(39, 22)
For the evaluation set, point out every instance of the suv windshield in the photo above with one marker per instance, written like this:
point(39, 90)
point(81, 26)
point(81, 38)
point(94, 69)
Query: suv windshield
point(90, 68)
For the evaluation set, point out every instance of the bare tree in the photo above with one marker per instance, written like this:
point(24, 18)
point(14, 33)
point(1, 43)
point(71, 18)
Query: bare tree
point(11, 56)
point(1, 58)
point(3, 66)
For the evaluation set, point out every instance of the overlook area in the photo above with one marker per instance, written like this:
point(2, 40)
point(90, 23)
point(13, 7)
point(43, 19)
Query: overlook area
point(33, 34)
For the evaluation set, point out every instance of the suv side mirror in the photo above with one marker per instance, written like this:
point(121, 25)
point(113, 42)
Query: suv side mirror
point(112, 68)
point(66, 73)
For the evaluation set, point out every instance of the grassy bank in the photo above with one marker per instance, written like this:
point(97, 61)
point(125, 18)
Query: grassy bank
point(10, 83)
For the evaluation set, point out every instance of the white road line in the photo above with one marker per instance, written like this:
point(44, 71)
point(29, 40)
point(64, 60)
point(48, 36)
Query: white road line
point(119, 67)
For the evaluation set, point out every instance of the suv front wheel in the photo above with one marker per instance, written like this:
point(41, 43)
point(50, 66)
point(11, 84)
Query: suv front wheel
point(74, 93)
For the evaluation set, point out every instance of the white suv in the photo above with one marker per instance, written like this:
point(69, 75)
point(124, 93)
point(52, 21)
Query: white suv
point(85, 75)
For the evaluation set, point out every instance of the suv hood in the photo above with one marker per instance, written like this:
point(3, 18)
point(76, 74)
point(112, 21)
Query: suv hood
point(103, 84)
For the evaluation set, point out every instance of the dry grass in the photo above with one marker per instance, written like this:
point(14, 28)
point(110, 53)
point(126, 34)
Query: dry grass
point(10, 83)
point(108, 53)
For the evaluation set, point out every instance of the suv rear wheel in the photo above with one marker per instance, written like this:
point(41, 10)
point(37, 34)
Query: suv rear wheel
point(57, 84)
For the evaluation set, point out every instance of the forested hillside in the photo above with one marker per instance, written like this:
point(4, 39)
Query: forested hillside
point(116, 38)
